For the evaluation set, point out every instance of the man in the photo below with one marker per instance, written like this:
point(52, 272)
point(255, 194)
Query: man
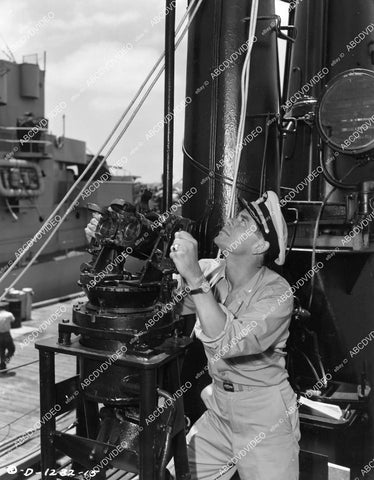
point(7, 347)
point(251, 423)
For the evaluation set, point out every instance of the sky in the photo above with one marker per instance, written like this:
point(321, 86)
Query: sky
point(98, 53)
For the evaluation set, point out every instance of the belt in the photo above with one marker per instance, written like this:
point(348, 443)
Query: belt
point(231, 387)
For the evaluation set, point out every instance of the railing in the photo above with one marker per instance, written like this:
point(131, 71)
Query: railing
point(26, 140)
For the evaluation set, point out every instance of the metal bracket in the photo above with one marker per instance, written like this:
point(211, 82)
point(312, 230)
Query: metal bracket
point(292, 33)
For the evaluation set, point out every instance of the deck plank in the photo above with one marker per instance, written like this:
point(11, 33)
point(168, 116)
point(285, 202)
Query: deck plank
point(19, 394)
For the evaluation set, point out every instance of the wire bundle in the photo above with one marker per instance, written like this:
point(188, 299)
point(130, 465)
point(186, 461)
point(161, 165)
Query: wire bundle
point(244, 95)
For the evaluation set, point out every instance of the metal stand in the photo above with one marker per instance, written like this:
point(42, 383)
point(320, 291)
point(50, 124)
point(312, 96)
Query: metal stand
point(53, 396)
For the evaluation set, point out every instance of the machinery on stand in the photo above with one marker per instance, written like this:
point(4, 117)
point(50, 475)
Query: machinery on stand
point(129, 345)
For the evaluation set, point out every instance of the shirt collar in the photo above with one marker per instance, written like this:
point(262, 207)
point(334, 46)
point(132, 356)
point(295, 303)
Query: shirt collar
point(243, 294)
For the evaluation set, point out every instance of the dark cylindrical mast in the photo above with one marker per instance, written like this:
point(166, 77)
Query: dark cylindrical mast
point(167, 178)
point(216, 52)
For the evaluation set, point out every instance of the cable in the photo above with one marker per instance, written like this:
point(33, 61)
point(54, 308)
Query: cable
point(263, 163)
point(315, 235)
point(10, 209)
point(309, 363)
point(293, 239)
point(332, 180)
point(316, 228)
point(18, 366)
point(244, 84)
point(8, 50)
point(229, 180)
point(29, 439)
point(244, 95)
point(33, 430)
point(319, 359)
point(19, 418)
point(101, 162)
point(6, 435)
point(312, 281)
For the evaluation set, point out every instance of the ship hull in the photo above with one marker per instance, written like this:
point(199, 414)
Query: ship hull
point(54, 277)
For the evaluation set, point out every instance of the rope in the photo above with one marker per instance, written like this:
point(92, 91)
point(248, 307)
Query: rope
point(37, 449)
point(221, 178)
point(244, 93)
point(116, 141)
point(19, 418)
point(18, 366)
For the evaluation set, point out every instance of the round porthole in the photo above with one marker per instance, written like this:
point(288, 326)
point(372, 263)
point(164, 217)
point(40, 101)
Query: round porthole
point(345, 113)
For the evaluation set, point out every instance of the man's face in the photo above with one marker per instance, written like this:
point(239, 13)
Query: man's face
point(239, 235)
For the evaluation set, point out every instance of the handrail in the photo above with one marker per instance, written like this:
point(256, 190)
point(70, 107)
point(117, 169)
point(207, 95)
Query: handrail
point(24, 128)
point(7, 140)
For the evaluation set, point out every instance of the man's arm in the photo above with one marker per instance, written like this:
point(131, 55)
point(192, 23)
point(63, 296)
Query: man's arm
point(264, 325)
point(211, 316)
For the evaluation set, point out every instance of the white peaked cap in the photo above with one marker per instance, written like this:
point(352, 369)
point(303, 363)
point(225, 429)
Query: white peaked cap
point(267, 214)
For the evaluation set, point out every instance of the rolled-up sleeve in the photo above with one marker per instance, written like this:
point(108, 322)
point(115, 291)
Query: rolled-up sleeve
point(208, 266)
point(263, 325)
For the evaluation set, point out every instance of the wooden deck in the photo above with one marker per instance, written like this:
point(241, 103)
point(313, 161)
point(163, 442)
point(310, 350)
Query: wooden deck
point(19, 401)
point(19, 395)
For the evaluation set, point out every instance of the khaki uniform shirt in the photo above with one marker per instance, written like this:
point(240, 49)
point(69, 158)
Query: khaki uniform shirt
point(250, 349)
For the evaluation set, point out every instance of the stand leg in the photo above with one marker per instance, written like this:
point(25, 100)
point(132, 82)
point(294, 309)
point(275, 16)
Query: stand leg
point(81, 422)
point(47, 406)
point(87, 413)
point(87, 423)
point(148, 404)
point(179, 446)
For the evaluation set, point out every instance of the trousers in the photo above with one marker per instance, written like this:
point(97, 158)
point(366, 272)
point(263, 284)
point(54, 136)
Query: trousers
point(7, 349)
point(255, 432)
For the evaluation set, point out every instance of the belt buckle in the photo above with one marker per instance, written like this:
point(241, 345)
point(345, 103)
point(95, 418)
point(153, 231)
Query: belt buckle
point(229, 387)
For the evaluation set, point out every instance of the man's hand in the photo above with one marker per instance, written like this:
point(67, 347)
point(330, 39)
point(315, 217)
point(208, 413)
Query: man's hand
point(90, 230)
point(183, 252)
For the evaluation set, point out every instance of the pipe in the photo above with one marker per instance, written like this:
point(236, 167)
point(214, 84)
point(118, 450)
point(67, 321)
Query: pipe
point(167, 179)
point(289, 45)
point(51, 301)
